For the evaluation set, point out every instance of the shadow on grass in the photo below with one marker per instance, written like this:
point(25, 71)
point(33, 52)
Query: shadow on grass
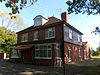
point(74, 69)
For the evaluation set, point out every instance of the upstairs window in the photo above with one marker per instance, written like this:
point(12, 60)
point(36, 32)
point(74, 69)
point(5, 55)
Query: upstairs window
point(78, 38)
point(36, 35)
point(50, 33)
point(24, 37)
point(70, 34)
point(37, 21)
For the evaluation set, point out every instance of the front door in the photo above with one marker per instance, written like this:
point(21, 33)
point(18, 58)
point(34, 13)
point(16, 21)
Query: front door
point(27, 56)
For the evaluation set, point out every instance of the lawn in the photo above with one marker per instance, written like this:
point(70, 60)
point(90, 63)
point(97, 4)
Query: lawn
point(95, 56)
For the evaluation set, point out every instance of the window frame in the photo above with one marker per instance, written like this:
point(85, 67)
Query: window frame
point(78, 38)
point(70, 32)
point(36, 35)
point(47, 50)
point(24, 37)
point(48, 33)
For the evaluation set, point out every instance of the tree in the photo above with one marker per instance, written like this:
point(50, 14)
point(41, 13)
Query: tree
point(17, 5)
point(77, 6)
point(96, 31)
point(98, 50)
point(12, 22)
point(96, 53)
point(84, 6)
point(7, 38)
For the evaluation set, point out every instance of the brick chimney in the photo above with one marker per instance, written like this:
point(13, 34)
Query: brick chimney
point(64, 17)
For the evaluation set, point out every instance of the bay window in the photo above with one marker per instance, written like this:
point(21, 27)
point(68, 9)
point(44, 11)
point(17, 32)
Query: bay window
point(43, 51)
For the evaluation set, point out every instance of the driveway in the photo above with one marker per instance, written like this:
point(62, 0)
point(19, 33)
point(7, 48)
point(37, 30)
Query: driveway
point(82, 68)
point(7, 68)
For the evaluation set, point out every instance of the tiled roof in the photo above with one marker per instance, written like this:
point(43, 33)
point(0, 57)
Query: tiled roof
point(52, 20)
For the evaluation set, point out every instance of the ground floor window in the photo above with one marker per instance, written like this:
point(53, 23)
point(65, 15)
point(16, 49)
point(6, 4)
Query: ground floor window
point(15, 53)
point(43, 51)
point(79, 52)
point(58, 50)
point(69, 54)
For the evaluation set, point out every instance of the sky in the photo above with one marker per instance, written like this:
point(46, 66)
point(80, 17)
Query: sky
point(85, 23)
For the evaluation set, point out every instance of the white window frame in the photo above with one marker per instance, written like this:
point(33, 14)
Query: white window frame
point(57, 50)
point(70, 34)
point(69, 54)
point(78, 38)
point(38, 57)
point(24, 37)
point(48, 31)
point(36, 35)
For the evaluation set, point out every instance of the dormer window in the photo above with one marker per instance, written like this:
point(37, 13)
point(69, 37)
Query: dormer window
point(39, 20)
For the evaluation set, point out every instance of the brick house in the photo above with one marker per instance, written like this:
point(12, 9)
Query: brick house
point(49, 42)
point(86, 49)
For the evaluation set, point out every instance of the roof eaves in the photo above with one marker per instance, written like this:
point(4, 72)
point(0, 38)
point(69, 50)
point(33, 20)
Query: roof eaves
point(74, 29)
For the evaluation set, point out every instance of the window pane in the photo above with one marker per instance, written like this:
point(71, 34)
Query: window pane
point(35, 35)
point(37, 53)
point(49, 46)
point(49, 33)
point(49, 53)
point(70, 34)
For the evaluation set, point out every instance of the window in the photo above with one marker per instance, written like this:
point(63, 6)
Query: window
point(78, 38)
point(69, 54)
point(37, 21)
point(70, 34)
point(50, 33)
point(36, 35)
point(79, 52)
point(24, 37)
point(43, 51)
point(58, 50)
point(15, 53)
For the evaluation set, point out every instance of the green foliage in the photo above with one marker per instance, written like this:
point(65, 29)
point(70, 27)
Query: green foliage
point(7, 38)
point(96, 31)
point(84, 6)
point(96, 53)
point(17, 5)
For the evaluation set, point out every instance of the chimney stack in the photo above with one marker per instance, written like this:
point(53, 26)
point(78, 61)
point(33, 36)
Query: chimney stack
point(64, 17)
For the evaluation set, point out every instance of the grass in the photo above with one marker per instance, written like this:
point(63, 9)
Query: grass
point(94, 57)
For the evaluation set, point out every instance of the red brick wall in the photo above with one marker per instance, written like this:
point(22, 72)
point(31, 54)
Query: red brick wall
point(54, 54)
point(43, 61)
point(58, 32)
point(87, 48)
point(75, 52)
point(1, 56)
point(30, 36)
point(41, 34)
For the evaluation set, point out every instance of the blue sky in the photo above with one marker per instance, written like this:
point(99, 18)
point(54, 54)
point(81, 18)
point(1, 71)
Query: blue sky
point(48, 8)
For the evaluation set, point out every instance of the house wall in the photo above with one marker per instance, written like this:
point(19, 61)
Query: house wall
point(75, 34)
point(86, 49)
point(41, 32)
point(75, 55)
